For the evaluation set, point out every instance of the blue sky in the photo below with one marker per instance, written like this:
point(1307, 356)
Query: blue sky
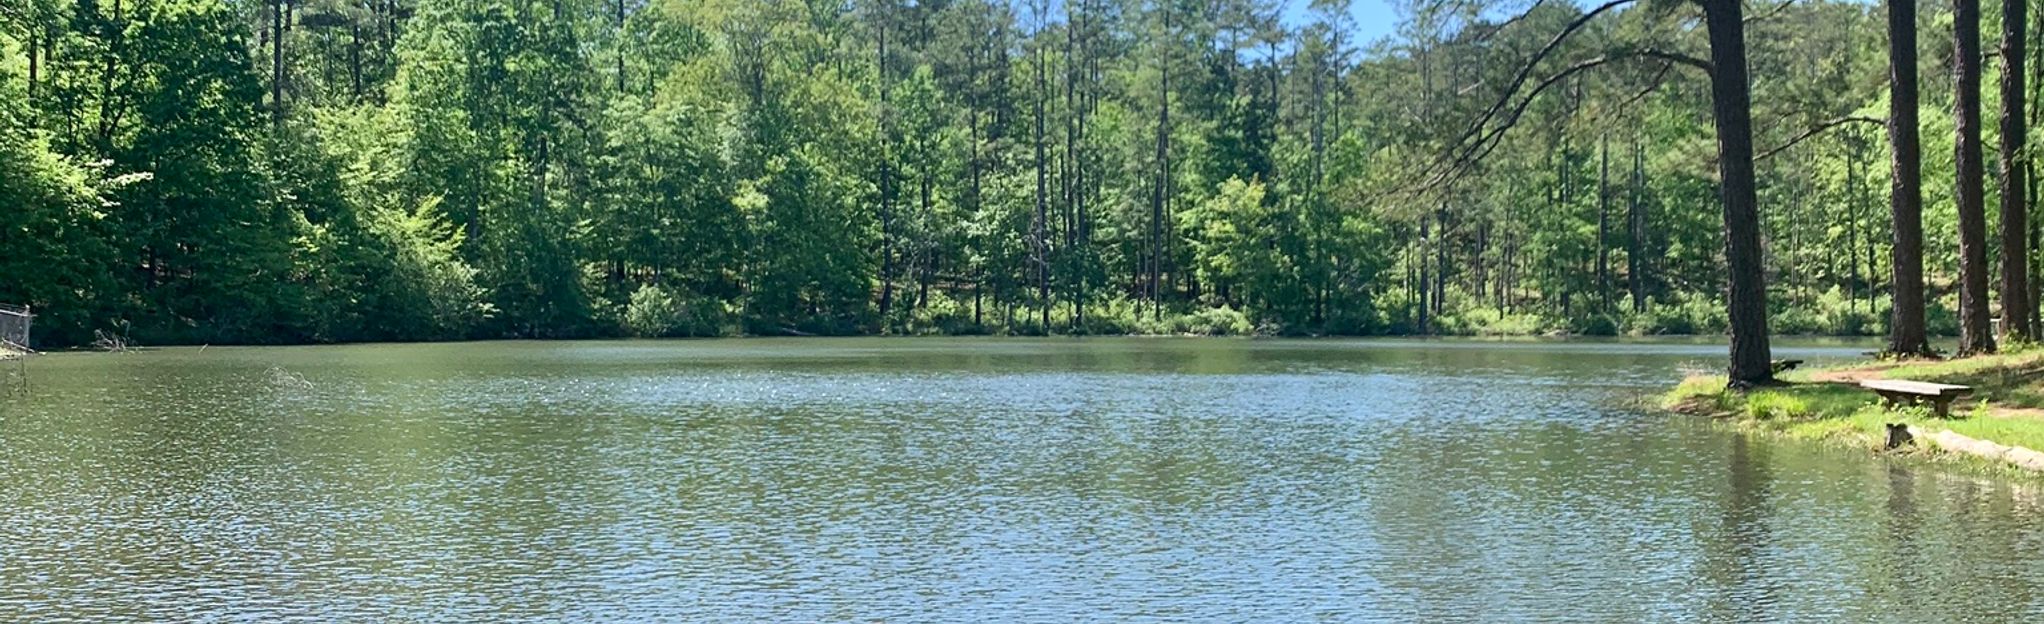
point(1374, 19)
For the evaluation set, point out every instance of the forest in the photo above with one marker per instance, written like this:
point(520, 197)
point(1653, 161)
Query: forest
point(286, 171)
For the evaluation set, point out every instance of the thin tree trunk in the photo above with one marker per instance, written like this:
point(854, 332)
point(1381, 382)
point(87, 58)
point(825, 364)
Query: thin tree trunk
point(1440, 259)
point(1906, 333)
point(1635, 249)
point(620, 46)
point(1604, 224)
point(1072, 161)
point(34, 73)
point(1162, 184)
point(886, 178)
point(1852, 233)
point(972, 165)
point(1040, 241)
point(1425, 288)
point(355, 59)
point(277, 62)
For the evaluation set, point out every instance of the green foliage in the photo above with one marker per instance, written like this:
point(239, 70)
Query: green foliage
point(1832, 313)
point(1776, 405)
point(941, 314)
point(518, 168)
point(1210, 322)
point(1492, 322)
point(1685, 315)
point(428, 290)
point(656, 313)
point(53, 250)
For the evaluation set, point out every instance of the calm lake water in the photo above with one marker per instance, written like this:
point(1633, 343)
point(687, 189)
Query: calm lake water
point(965, 480)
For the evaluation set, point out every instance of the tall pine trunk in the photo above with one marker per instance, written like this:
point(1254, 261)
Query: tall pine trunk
point(1731, 109)
point(1976, 333)
point(1906, 333)
point(2015, 220)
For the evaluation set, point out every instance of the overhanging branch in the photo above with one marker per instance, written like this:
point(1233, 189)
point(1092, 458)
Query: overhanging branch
point(1817, 130)
point(1526, 71)
point(1770, 13)
point(1484, 138)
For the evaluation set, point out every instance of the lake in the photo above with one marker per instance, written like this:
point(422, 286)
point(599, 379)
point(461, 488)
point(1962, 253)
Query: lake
point(964, 480)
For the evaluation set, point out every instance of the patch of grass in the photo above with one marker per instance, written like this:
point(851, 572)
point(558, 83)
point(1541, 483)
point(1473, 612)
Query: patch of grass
point(1770, 404)
point(2026, 432)
point(1702, 395)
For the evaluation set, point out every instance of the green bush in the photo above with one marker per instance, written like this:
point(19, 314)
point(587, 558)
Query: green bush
point(1594, 325)
point(656, 313)
point(1221, 321)
point(1490, 322)
point(1840, 314)
point(1395, 311)
point(1679, 316)
point(1119, 315)
point(941, 314)
point(1795, 321)
point(1941, 317)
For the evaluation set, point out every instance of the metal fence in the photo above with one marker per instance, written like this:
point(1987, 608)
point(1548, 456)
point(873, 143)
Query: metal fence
point(15, 323)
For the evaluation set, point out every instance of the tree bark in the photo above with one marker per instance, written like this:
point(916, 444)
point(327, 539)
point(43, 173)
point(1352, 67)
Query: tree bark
point(2015, 272)
point(1731, 109)
point(1906, 333)
point(1976, 332)
point(2032, 319)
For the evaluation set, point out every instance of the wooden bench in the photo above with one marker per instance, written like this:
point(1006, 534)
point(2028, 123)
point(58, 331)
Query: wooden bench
point(1900, 391)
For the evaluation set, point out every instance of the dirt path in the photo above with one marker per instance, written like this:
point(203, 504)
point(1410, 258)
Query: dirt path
point(1853, 375)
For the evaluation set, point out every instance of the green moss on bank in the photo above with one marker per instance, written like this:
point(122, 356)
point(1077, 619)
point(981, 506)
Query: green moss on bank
point(1827, 405)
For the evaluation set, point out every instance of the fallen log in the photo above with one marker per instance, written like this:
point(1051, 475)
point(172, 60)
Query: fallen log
point(2024, 458)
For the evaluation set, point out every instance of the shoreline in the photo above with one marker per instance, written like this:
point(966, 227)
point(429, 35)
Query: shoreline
point(1700, 339)
point(1994, 430)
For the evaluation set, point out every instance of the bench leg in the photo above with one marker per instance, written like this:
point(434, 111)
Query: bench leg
point(1943, 406)
point(1892, 401)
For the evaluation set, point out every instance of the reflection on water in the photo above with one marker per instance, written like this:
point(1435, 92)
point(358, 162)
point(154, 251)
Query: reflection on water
point(963, 480)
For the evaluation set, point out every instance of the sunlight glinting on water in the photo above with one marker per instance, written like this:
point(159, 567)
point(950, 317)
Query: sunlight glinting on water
point(962, 480)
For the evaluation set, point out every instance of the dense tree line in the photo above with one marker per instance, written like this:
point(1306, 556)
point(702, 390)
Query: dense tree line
point(335, 170)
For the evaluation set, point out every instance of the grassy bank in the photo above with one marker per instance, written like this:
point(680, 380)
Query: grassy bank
point(2007, 406)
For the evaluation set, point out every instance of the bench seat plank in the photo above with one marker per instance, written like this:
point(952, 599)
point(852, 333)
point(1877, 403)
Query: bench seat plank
point(1898, 391)
point(1919, 388)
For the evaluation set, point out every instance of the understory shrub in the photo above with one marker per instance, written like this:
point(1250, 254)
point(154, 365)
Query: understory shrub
point(656, 313)
point(1223, 321)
